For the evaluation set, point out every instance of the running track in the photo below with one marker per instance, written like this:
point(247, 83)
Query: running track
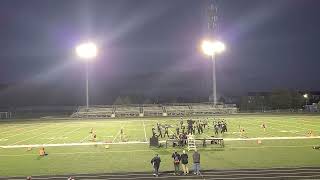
point(235, 174)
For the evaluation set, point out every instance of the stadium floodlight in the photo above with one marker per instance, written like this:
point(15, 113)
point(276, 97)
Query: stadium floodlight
point(211, 48)
point(87, 51)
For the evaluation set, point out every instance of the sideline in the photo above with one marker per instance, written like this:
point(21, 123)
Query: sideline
point(139, 142)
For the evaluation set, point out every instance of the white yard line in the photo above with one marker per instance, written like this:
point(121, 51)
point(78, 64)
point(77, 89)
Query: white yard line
point(145, 133)
point(33, 136)
point(139, 142)
point(69, 144)
point(286, 125)
point(271, 138)
point(85, 138)
point(66, 134)
point(119, 132)
point(25, 132)
point(116, 136)
point(257, 126)
point(11, 129)
point(307, 124)
point(171, 131)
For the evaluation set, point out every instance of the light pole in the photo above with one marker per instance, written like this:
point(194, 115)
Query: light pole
point(87, 52)
point(211, 48)
point(306, 97)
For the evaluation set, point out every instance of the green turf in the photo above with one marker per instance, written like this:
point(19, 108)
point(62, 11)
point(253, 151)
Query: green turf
point(136, 157)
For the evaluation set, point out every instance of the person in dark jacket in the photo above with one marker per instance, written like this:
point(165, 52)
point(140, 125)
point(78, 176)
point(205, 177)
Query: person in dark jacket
point(176, 162)
point(156, 164)
point(184, 162)
point(196, 162)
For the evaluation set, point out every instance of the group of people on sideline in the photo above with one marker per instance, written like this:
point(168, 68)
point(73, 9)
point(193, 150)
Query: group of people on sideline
point(178, 159)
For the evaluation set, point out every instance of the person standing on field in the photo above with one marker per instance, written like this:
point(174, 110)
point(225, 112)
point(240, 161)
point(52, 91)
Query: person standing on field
point(166, 131)
point(156, 164)
point(184, 162)
point(196, 162)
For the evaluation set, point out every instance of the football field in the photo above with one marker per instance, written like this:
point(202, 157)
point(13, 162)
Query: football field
point(287, 141)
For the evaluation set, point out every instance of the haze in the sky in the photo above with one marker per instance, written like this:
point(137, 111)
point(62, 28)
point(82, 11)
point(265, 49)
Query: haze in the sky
point(152, 48)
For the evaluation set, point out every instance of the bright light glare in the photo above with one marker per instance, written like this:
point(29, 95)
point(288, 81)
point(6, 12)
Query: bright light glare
point(219, 47)
point(210, 48)
point(305, 96)
point(87, 50)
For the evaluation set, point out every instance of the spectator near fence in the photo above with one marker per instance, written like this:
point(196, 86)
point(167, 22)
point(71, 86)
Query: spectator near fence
point(196, 162)
point(184, 162)
point(176, 162)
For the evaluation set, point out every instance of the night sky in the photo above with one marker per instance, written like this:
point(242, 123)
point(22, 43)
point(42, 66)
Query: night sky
point(151, 48)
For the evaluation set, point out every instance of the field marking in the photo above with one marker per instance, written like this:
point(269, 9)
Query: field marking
point(314, 128)
point(287, 125)
point(38, 135)
point(271, 126)
point(298, 125)
point(15, 129)
point(256, 127)
point(70, 144)
point(291, 131)
point(271, 138)
point(145, 133)
point(85, 138)
point(26, 132)
point(51, 138)
point(66, 134)
point(11, 129)
point(306, 122)
point(57, 132)
point(123, 151)
point(139, 142)
point(115, 137)
point(121, 127)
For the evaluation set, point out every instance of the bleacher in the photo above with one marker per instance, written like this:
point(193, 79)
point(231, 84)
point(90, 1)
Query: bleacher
point(127, 111)
point(177, 110)
point(209, 109)
point(94, 112)
point(151, 110)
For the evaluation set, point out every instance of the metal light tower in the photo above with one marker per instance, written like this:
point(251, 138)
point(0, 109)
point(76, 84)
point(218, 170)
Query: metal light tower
point(212, 48)
point(87, 52)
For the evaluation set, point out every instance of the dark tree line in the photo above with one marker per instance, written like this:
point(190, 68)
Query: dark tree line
point(277, 99)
